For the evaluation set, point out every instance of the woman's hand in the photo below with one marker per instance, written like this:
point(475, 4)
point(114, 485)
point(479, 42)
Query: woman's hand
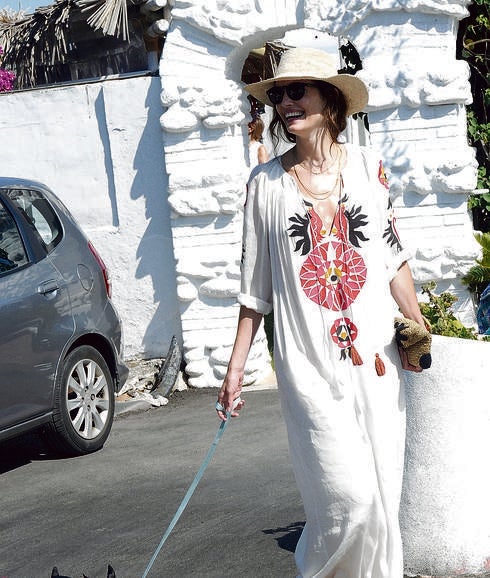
point(229, 392)
point(248, 323)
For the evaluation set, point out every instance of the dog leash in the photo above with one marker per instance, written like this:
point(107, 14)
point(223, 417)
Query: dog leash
point(193, 486)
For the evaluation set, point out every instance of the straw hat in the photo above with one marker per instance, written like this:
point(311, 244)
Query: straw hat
point(313, 64)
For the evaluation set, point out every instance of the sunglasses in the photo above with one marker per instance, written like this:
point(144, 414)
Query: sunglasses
point(295, 91)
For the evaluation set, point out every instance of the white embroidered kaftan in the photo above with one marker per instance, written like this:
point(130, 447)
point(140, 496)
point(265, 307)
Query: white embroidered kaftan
point(333, 314)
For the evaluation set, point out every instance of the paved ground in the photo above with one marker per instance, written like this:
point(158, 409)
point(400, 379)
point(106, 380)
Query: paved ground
point(114, 506)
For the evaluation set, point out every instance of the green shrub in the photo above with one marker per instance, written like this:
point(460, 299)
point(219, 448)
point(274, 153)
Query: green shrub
point(478, 277)
point(473, 46)
point(440, 316)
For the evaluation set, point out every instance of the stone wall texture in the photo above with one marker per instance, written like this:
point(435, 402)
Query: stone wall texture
point(417, 119)
point(98, 145)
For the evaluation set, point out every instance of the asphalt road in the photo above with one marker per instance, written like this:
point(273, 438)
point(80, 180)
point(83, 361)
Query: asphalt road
point(114, 506)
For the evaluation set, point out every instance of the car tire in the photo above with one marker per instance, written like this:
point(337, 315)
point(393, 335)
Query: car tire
point(84, 403)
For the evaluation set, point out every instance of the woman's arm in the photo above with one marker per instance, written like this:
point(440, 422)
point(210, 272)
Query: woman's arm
point(403, 291)
point(262, 155)
point(248, 324)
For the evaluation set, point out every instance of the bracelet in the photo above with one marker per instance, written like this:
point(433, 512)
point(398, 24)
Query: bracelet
point(220, 407)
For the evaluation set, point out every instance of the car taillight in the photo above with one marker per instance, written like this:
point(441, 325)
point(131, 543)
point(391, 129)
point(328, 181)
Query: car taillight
point(105, 270)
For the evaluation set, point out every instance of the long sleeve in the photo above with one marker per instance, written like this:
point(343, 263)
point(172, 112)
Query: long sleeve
point(256, 279)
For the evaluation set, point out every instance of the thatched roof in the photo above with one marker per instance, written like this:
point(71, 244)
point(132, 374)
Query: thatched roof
point(39, 37)
point(56, 42)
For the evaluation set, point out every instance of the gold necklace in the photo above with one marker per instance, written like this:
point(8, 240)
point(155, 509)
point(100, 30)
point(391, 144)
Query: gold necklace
point(321, 171)
point(316, 196)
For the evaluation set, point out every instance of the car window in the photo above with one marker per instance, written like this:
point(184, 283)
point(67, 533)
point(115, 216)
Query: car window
point(12, 251)
point(39, 215)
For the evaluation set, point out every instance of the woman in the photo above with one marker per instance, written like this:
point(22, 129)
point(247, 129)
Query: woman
point(321, 249)
point(257, 151)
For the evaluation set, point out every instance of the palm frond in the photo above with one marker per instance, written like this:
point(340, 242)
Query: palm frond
point(476, 276)
point(484, 240)
point(110, 16)
point(9, 16)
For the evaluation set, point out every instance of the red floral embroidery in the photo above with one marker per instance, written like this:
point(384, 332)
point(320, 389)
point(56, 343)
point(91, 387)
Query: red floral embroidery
point(343, 332)
point(333, 274)
point(316, 225)
point(340, 224)
point(383, 179)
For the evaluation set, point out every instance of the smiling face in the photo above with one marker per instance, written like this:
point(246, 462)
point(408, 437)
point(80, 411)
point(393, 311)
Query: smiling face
point(322, 108)
point(304, 116)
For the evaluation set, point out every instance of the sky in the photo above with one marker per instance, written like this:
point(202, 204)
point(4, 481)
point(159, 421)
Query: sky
point(27, 6)
point(311, 38)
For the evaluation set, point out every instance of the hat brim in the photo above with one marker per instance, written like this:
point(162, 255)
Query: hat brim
point(353, 89)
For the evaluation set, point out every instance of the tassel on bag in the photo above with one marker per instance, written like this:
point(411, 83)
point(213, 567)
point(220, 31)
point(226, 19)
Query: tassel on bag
point(379, 365)
point(354, 355)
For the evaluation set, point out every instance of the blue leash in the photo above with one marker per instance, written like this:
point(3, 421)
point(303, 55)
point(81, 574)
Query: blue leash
point(192, 487)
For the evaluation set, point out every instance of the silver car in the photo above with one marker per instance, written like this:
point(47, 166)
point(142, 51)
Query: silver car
point(61, 359)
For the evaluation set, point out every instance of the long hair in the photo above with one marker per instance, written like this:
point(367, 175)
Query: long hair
point(257, 128)
point(334, 114)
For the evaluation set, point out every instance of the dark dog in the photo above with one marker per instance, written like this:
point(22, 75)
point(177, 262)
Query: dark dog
point(56, 574)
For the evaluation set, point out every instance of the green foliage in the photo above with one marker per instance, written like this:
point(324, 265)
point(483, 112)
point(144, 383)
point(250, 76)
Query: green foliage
point(482, 201)
point(478, 277)
point(440, 316)
point(474, 47)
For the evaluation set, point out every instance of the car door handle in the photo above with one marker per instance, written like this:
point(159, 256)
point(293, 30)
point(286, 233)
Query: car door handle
point(48, 287)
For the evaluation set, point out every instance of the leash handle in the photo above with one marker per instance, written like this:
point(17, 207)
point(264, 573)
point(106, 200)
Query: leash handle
point(219, 407)
point(191, 489)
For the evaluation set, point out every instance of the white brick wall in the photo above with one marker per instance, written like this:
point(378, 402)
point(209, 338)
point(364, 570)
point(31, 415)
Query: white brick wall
point(417, 120)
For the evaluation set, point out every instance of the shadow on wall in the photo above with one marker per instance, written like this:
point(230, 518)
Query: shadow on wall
point(155, 249)
point(100, 115)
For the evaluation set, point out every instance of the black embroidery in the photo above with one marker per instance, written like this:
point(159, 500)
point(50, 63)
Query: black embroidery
point(390, 233)
point(356, 219)
point(299, 228)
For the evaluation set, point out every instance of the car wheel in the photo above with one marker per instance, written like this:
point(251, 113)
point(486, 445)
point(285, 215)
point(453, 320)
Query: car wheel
point(84, 403)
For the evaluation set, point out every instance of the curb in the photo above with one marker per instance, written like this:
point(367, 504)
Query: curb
point(132, 406)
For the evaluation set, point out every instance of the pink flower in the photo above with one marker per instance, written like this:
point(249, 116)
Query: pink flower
point(7, 78)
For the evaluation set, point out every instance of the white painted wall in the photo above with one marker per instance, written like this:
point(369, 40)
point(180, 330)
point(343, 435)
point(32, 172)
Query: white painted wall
point(99, 147)
point(445, 508)
point(417, 118)
point(175, 263)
